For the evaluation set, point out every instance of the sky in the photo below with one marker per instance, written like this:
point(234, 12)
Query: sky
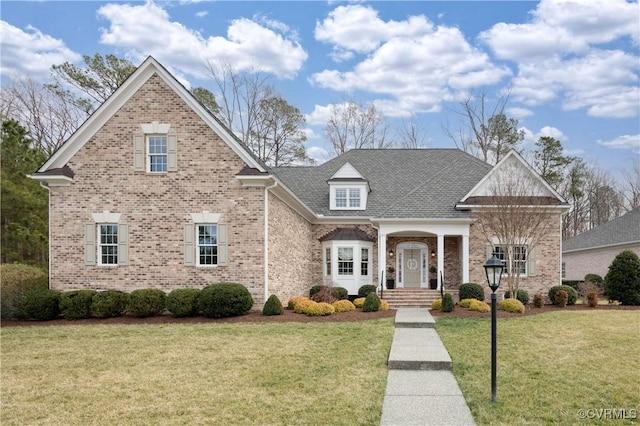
point(572, 66)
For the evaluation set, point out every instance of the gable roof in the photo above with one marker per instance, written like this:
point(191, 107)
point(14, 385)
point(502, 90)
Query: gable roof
point(510, 164)
point(623, 230)
point(126, 90)
point(404, 183)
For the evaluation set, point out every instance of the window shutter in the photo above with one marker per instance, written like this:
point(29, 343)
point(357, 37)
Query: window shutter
point(531, 260)
point(138, 154)
point(172, 153)
point(222, 245)
point(90, 244)
point(123, 244)
point(189, 250)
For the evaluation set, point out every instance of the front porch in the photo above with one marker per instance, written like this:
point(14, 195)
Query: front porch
point(424, 256)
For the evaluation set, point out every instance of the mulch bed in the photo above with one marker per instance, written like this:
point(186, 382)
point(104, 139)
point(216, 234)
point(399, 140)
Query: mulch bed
point(290, 316)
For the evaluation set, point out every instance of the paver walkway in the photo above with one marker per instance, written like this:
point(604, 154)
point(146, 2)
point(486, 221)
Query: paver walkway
point(421, 389)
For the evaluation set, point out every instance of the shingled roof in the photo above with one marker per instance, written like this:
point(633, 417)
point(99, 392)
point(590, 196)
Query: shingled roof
point(623, 230)
point(405, 183)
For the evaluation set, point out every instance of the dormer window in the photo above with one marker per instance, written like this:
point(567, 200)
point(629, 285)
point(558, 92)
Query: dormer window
point(348, 189)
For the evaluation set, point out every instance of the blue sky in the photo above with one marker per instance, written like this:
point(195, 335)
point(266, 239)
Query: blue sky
point(573, 66)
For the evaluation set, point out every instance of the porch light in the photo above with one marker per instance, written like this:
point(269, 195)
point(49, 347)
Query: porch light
point(391, 253)
point(433, 253)
point(493, 269)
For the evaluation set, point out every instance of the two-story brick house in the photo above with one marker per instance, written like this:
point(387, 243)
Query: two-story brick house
point(152, 191)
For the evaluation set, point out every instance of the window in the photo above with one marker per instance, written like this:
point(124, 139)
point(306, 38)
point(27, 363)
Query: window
point(564, 270)
point(108, 244)
point(207, 245)
point(327, 261)
point(364, 262)
point(348, 199)
point(345, 260)
point(157, 153)
point(519, 258)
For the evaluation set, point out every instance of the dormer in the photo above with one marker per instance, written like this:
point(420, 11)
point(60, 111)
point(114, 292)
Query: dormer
point(348, 189)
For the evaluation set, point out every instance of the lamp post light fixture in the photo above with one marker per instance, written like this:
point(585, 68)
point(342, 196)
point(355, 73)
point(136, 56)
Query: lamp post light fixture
point(493, 268)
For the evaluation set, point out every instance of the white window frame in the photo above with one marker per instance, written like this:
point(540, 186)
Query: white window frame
point(348, 196)
point(150, 155)
point(520, 264)
point(199, 244)
point(342, 265)
point(353, 281)
point(365, 264)
point(327, 262)
point(105, 245)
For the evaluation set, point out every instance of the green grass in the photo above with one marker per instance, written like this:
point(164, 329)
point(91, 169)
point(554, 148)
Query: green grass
point(231, 374)
point(549, 366)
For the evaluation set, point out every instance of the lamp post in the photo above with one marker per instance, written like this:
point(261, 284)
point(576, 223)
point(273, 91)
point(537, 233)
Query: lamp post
point(493, 268)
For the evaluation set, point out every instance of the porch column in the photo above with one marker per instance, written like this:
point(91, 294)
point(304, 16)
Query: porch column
point(440, 260)
point(465, 258)
point(382, 258)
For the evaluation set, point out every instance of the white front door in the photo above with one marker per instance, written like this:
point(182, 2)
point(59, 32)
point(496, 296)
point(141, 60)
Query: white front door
point(411, 266)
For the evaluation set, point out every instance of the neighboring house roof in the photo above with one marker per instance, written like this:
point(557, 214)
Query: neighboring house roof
point(347, 234)
point(404, 183)
point(621, 231)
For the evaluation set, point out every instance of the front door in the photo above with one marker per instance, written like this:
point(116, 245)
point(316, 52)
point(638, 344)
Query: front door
point(411, 266)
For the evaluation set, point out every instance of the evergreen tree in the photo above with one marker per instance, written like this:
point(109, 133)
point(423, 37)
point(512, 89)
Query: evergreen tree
point(24, 223)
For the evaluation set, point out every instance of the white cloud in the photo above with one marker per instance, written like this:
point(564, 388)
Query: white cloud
point(358, 28)
point(631, 142)
point(565, 52)
point(319, 116)
point(417, 73)
point(319, 154)
point(147, 29)
point(202, 13)
point(531, 137)
point(518, 112)
point(31, 52)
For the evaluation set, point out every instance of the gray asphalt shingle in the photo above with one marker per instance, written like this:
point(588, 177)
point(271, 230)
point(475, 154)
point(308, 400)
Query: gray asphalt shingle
point(625, 229)
point(405, 183)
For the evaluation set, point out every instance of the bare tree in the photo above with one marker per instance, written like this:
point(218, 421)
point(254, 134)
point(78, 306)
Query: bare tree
point(575, 191)
point(277, 138)
point(50, 117)
point(488, 133)
point(412, 134)
point(354, 126)
point(631, 185)
point(518, 215)
point(605, 201)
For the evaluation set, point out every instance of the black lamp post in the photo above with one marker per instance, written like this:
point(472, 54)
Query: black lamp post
point(493, 268)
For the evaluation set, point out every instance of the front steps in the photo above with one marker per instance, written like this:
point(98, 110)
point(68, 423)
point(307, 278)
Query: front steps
point(413, 297)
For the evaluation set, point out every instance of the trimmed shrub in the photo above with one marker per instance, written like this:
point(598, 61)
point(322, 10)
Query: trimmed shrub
point(15, 280)
point(343, 306)
point(76, 304)
point(366, 289)
point(225, 300)
point(108, 303)
point(592, 299)
point(622, 282)
point(538, 300)
point(561, 298)
point(572, 294)
point(511, 305)
point(40, 304)
point(466, 302)
point(384, 305)
point(183, 302)
point(146, 302)
point(436, 305)
point(272, 306)
point(479, 306)
point(328, 294)
point(359, 302)
point(447, 303)
point(319, 309)
point(302, 306)
point(294, 301)
point(521, 295)
point(471, 291)
point(571, 283)
point(371, 303)
point(315, 289)
point(594, 279)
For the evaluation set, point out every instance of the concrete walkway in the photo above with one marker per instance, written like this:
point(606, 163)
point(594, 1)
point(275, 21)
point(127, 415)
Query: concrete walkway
point(421, 389)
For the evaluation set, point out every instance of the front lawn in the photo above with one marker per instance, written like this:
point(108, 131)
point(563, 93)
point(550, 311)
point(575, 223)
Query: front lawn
point(190, 374)
point(550, 366)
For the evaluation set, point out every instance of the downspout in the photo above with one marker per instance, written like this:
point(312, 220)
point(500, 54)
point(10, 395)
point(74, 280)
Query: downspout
point(266, 239)
point(48, 230)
